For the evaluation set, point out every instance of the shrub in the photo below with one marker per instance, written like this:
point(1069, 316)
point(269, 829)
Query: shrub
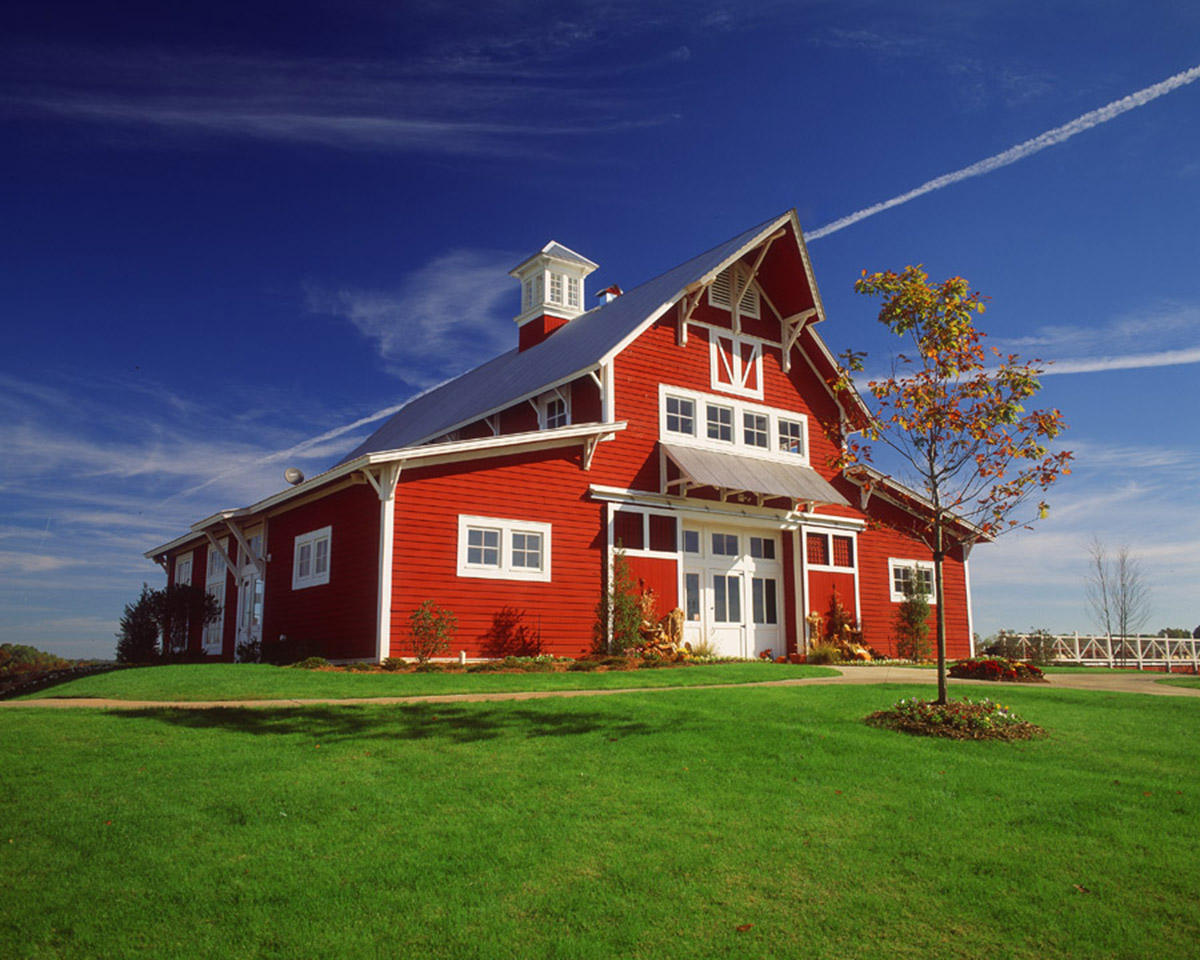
point(16, 659)
point(311, 663)
point(583, 666)
point(963, 719)
point(180, 609)
point(137, 639)
point(619, 612)
point(360, 666)
point(912, 624)
point(823, 653)
point(432, 630)
point(487, 666)
point(249, 651)
point(391, 664)
point(996, 668)
point(425, 666)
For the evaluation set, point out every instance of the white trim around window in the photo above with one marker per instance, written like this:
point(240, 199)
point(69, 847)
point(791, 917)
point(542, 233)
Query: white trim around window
point(183, 569)
point(311, 558)
point(694, 419)
point(499, 549)
point(922, 566)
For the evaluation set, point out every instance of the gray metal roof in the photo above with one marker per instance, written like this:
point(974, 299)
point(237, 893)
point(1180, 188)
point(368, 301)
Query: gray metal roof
point(572, 350)
point(728, 471)
point(559, 252)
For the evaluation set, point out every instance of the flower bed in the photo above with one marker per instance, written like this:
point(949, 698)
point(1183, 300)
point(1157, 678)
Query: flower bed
point(997, 668)
point(963, 719)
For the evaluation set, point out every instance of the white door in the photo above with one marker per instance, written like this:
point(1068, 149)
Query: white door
point(733, 591)
point(250, 608)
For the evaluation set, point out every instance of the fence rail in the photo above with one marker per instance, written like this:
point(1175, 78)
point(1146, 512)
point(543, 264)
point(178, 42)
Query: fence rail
point(1107, 651)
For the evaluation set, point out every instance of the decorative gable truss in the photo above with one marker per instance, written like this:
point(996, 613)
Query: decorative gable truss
point(735, 365)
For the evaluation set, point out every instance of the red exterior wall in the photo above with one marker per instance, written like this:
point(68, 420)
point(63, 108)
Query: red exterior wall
point(660, 575)
point(337, 619)
point(546, 487)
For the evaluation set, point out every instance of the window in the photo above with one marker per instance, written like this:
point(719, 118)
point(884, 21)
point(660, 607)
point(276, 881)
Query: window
point(310, 559)
point(556, 288)
point(526, 294)
point(691, 541)
point(727, 598)
point(791, 437)
point(762, 591)
point(762, 548)
point(691, 594)
point(730, 283)
point(720, 423)
point(755, 430)
point(843, 551)
point(503, 549)
point(826, 550)
point(663, 537)
point(735, 364)
point(628, 532)
point(214, 584)
point(635, 530)
point(554, 410)
point(483, 547)
point(183, 569)
point(681, 416)
point(725, 545)
point(216, 566)
point(917, 573)
point(574, 292)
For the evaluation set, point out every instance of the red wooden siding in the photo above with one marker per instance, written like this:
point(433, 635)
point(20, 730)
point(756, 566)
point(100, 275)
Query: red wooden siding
point(546, 487)
point(661, 575)
point(337, 619)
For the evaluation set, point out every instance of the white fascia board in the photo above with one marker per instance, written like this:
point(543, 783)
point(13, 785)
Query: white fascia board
point(708, 278)
point(804, 258)
point(422, 456)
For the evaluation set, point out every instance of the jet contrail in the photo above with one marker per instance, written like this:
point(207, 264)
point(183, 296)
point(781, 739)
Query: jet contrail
point(1021, 150)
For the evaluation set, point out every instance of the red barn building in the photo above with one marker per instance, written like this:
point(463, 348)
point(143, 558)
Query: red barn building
point(689, 420)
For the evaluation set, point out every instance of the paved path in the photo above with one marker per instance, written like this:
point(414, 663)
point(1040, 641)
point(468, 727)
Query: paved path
point(1130, 682)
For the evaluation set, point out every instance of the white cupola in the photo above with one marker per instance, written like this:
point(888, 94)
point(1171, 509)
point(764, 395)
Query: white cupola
point(551, 290)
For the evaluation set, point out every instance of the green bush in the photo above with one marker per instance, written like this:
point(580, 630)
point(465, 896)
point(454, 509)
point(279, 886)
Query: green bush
point(249, 651)
point(394, 663)
point(912, 624)
point(963, 719)
point(311, 663)
point(583, 666)
point(137, 639)
point(360, 666)
point(432, 628)
point(824, 653)
point(619, 612)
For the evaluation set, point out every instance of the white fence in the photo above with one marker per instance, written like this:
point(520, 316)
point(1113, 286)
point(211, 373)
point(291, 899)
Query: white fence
point(1137, 652)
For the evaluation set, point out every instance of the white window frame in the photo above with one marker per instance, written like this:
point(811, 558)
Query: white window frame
point(505, 569)
point(738, 371)
point(894, 562)
point(215, 582)
point(645, 550)
point(829, 535)
point(311, 539)
point(543, 408)
point(700, 403)
point(679, 416)
point(184, 559)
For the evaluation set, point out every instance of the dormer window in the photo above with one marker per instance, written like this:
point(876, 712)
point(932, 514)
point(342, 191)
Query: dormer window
point(551, 290)
point(554, 410)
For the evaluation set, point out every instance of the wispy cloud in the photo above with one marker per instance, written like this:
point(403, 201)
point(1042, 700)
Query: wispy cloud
point(1041, 142)
point(1131, 361)
point(446, 317)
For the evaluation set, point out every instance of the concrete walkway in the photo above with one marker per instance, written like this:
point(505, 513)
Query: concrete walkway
point(1131, 682)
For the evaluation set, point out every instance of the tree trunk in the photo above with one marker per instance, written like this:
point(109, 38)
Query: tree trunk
point(938, 554)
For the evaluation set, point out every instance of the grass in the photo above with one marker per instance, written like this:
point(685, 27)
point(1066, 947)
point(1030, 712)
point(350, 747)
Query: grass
point(1193, 682)
point(252, 681)
point(628, 826)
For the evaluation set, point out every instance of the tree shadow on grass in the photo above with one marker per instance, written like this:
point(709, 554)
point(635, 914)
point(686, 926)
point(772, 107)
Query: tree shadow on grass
point(453, 723)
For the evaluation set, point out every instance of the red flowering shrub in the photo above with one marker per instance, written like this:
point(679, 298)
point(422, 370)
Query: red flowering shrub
point(996, 668)
point(963, 719)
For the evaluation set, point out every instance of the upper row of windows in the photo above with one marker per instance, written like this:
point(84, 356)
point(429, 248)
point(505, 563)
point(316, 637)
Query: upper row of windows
point(552, 287)
point(719, 422)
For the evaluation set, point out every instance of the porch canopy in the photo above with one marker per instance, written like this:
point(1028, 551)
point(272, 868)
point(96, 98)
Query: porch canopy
point(730, 473)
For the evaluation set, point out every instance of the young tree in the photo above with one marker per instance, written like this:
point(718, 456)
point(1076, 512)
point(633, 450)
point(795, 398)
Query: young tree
point(1117, 592)
point(955, 419)
point(619, 612)
point(912, 623)
point(179, 608)
point(137, 639)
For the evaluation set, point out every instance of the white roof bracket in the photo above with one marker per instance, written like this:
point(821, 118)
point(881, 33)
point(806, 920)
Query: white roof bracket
point(213, 545)
point(240, 538)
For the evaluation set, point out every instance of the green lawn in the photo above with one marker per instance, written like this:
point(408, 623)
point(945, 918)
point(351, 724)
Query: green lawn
point(1182, 681)
point(648, 826)
point(253, 681)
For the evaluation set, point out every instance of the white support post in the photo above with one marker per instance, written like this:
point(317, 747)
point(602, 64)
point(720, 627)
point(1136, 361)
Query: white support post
point(389, 475)
point(607, 399)
point(237, 535)
point(213, 545)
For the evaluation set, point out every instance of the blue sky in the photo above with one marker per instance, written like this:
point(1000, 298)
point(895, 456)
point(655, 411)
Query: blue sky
point(230, 235)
